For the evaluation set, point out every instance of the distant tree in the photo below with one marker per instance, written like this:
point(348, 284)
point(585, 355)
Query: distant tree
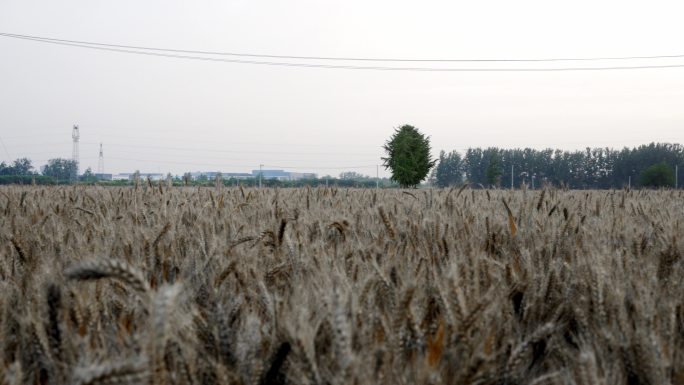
point(60, 169)
point(352, 175)
point(494, 170)
point(169, 180)
point(202, 179)
point(21, 166)
point(136, 178)
point(657, 175)
point(474, 170)
point(449, 169)
point(408, 156)
point(88, 176)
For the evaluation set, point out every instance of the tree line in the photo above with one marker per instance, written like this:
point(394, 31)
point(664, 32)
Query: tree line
point(57, 170)
point(409, 160)
point(61, 171)
point(651, 165)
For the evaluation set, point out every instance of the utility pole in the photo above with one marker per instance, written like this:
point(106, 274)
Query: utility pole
point(629, 183)
point(511, 177)
point(260, 173)
point(377, 177)
point(676, 176)
point(75, 135)
point(100, 163)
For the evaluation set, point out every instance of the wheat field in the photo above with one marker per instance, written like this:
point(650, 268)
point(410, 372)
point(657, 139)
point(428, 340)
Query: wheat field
point(167, 285)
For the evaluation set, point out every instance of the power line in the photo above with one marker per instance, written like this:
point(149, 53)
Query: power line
point(171, 148)
point(232, 143)
point(331, 58)
point(236, 165)
point(240, 165)
point(543, 145)
point(323, 168)
point(194, 140)
point(43, 160)
point(165, 151)
point(5, 149)
point(348, 67)
point(118, 152)
point(552, 145)
point(180, 162)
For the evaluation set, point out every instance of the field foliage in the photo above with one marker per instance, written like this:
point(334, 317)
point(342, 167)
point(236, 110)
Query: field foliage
point(160, 285)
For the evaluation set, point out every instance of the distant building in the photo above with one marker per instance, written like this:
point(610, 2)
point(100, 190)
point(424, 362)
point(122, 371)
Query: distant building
point(211, 175)
point(104, 176)
point(152, 176)
point(120, 176)
point(237, 175)
point(143, 176)
point(225, 175)
point(283, 175)
point(302, 175)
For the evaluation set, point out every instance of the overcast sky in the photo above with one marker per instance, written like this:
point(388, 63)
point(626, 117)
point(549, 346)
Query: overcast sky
point(160, 114)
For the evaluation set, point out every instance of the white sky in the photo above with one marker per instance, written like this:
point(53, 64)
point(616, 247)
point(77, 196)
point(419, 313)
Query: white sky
point(159, 114)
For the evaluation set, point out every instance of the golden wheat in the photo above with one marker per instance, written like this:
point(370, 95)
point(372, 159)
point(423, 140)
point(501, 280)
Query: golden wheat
point(178, 285)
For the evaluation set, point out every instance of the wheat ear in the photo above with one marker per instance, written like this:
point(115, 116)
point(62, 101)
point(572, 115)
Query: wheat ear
point(92, 270)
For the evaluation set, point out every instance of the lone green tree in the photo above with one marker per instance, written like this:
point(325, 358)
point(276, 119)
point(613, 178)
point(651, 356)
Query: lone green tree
point(408, 156)
point(657, 175)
